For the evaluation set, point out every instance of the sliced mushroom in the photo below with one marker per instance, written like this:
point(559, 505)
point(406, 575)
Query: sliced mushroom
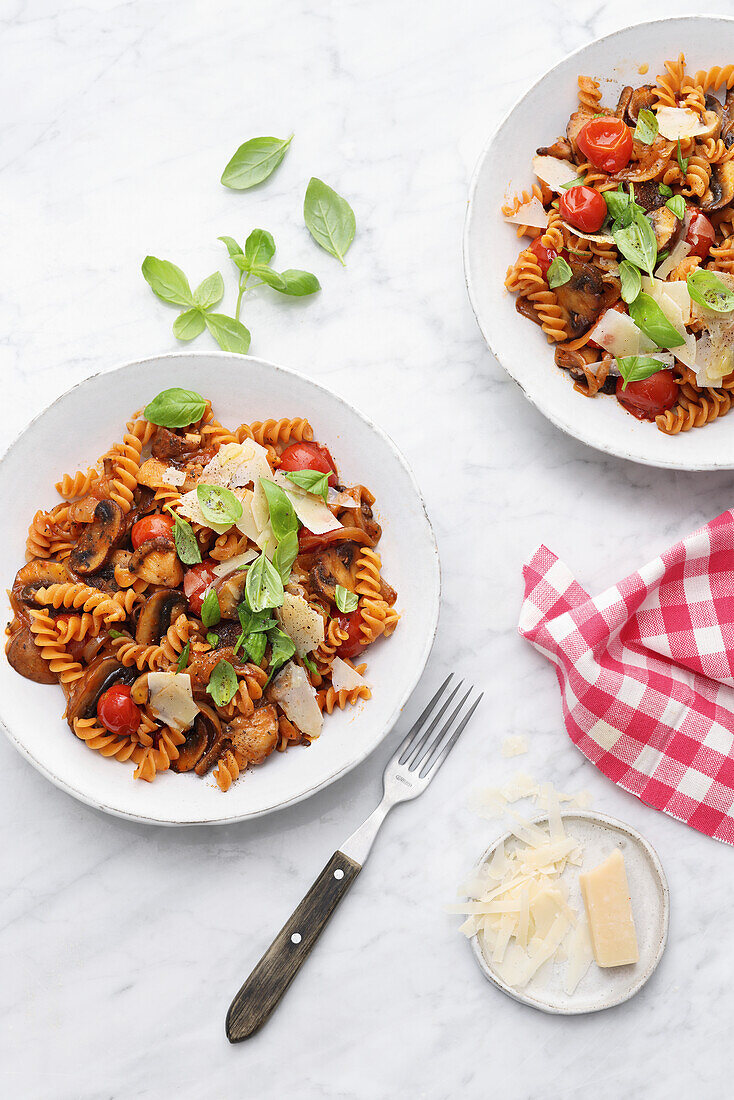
point(256, 737)
point(561, 148)
point(204, 734)
point(162, 609)
point(227, 633)
point(721, 187)
point(202, 666)
point(216, 745)
point(85, 692)
point(230, 591)
point(576, 123)
point(623, 102)
point(647, 195)
point(99, 538)
point(666, 225)
point(25, 657)
point(712, 122)
point(156, 562)
point(651, 159)
point(581, 298)
point(38, 574)
point(167, 445)
point(642, 98)
point(335, 565)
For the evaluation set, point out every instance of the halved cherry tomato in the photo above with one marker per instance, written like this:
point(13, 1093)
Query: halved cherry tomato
point(308, 456)
point(700, 234)
point(650, 397)
point(544, 255)
point(151, 527)
point(353, 644)
point(606, 142)
point(583, 208)
point(196, 581)
point(117, 712)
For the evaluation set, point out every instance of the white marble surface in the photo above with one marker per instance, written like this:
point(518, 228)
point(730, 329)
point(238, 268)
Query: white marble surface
point(122, 945)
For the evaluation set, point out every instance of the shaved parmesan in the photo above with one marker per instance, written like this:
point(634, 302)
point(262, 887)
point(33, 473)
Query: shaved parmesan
point(343, 676)
point(580, 956)
point(303, 625)
point(618, 334)
point(311, 510)
point(514, 746)
point(679, 122)
point(554, 171)
point(189, 507)
point(677, 254)
point(246, 523)
point(232, 564)
point(715, 348)
point(236, 465)
point(530, 213)
point(297, 698)
point(171, 701)
point(172, 476)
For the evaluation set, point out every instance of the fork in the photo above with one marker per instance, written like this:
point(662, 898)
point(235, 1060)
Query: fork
point(407, 775)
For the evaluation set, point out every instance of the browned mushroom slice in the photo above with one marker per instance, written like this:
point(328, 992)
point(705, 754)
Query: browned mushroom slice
point(651, 159)
point(205, 732)
point(712, 121)
point(227, 633)
point(156, 562)
point(642, 99)
point(623, 102)
point(216, 747)
point(38, 574)
point(721, 187)
point(581, 298)
point(647, 195)
point(560, 148)
point(230, 591)
point(99, 538)
point(254, 738)
point(25, 657)
point(576, 123)
point(162, 609)
point(667, 227)
point(336, 565)
point(167, 445)
point(85, 692)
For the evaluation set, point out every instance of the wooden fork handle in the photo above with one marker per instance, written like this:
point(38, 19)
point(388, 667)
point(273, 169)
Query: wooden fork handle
point(267, 983)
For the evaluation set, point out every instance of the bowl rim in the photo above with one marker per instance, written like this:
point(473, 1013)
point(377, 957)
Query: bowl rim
point(555, 418)
point(434, 594)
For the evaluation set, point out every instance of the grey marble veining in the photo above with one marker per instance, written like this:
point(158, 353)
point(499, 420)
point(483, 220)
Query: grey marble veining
point(122, 945)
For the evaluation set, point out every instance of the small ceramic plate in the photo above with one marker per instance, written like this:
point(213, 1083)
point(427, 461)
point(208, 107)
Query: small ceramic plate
point(83, 424)
point(491, 244)
point(600, 988)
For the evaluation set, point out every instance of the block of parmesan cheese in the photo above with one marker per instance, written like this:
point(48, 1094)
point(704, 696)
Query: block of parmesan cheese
point(607, 901)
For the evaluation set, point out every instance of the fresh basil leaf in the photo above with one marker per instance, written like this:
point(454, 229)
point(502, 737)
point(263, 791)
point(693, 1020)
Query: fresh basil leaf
point(231, 335)
point(285, 554)
point(309, 664)
point(649, 317)
point(175, 408)
point(268, 276)
point(222, 683)
point(213, 639)
point(218, 504)
point(254, 622)
point(254, 162)
point(232, 247)
point(313, 481)
point(664, 190)
point(263, 586)
point(189, 324)
point(678, 205)
point(682, 161)
point(283, 518)
point(282, 649)
point(329, 218)
point(710, 291)
point(637, 243)
point(662, 256)
point(167, 281)
point(210, 613)
point(299, 283)
point(183, 659)
point(255, 647)
point(572, 183)
point(187, 547)
point(115, 633)
point(646, 129)
point(259, 247)
point(635, 368)
point(345, 600)
point(617, 202)
point(631, 281)
point(559, 273)
point(209, 292)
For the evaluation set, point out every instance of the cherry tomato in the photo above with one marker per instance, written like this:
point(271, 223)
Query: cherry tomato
point(583, 208)
point(700, 234)
point(151, 527)
point(353, 644)
point(308, 456)
point(606, 142)
point(196, 581)
point(650, 397)
point(545, 256)
point(117, 712)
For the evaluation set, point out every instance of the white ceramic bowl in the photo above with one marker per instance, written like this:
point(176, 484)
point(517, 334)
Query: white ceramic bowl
point(80, 426)
point(491, 244)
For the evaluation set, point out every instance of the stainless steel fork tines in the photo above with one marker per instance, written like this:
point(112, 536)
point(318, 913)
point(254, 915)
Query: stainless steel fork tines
point(407, 774)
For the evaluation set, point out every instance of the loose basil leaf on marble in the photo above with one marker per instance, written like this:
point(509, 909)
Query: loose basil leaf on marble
point(187, 547)
point(329, 218)
point(710, 291)
point(167, 281)
point(313, 481)
point(282, 649)
point(175, 408)
point(682, 161)
point(631, 281)
point(283, 518)
point(254, 161)
point(232, 247)
point(189, 324)
point(664, 190)
point(649, 317)
point(259, 247)
point(285, 554)
point(254, 645)
point(646, 129)
point(637, 243)
point(635, 368)
point(345, 600)
point(210, 611)
point(263, 586)
point(559, 273)
point(230, 334)
point(209, 292)
point(678, 205)
point(183, 659)
point(222, 683)
point(218, 504)
point(212, 638)
point(298, 284)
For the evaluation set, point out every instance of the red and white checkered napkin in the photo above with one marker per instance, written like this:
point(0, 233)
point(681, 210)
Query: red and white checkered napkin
point(646, 671)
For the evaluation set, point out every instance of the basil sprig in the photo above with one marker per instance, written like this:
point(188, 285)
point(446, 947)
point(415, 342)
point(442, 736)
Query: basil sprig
point(183, 659)
point(211, 612)
point(631, 281)
point(254, 161)
point(187, 547)
point(559, 273)
point(263, 587)
point(222, 683)
point(314, 481)
point(682, 161)
point(710, 291)
point(175, 408)
point(646, 129)
point(329, 218)
point(218, 505)
point(621, 207)
point(170, 284)
point(345, 600)
point(637, 243)
point(282, 649)
point(635, 368)
point(283, 518)
point(285, 554)
point(678, 205)
point(650, 319)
